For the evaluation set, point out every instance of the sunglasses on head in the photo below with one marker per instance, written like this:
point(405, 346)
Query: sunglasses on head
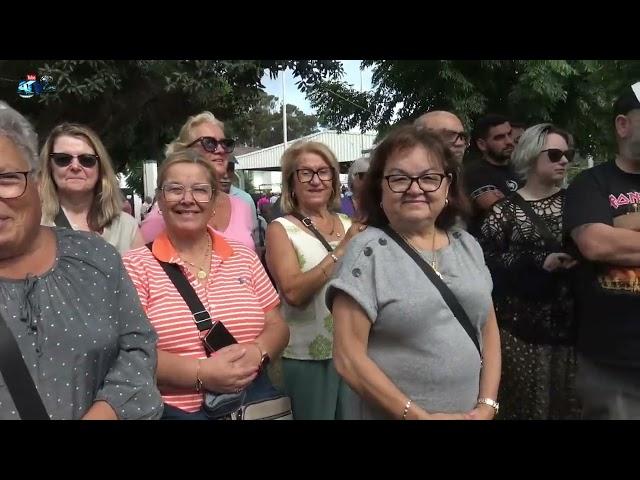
point(555, 154)
point(210, 144)
point(87, 160)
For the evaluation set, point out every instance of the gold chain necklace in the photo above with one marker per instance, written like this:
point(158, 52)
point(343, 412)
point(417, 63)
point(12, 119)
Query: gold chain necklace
point(434, 259)
point(202, 272)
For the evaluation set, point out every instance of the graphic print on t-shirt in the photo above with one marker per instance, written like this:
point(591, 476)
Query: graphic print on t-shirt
point(619, 278)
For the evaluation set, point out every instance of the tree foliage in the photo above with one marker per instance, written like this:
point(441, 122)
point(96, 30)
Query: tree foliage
point(575, 94)
point(138, 106)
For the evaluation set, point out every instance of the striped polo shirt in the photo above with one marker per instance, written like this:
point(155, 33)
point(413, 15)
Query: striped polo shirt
point(237, 292)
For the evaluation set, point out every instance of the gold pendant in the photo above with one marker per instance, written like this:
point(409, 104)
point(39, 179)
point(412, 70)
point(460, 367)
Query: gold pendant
point(202, 274)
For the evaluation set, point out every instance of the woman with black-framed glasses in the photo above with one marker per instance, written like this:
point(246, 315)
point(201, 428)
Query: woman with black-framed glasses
point(303, 247)
point(86, 347)
point(522, 242)
point(231, 216)
point(397, 342)
point(79, 188)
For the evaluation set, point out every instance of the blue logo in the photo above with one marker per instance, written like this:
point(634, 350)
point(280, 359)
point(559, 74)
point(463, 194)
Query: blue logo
point(32, 86)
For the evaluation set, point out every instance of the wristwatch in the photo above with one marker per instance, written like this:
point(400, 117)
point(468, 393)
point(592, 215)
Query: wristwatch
point(492, 403)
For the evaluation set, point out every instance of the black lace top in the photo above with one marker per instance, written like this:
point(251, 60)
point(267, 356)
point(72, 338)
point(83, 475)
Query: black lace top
point(530, 302)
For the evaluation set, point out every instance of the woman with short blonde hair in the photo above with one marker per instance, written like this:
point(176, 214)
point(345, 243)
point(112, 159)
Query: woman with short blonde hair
point(302, 249)
point(230, 216)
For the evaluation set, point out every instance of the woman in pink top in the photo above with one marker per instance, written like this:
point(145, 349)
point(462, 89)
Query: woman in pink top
point(231, 216)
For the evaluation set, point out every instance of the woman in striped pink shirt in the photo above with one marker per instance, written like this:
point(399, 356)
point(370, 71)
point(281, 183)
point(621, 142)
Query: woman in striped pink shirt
point(229, 281)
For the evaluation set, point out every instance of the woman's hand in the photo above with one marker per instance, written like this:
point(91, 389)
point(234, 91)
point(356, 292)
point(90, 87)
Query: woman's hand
point(482, 412)
point(354, 229)
point(558, 260)
point(223, 372)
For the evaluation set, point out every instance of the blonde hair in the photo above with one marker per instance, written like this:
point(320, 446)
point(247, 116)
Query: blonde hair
point(186, 155)
point(107, 199)
point(288, 163)
point(185, 137)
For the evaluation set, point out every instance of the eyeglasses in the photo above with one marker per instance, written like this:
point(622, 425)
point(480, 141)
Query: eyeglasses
point(555, 154)
point(210, 144)
point(429, 182)
point(174, 192)
point(13, 184)
point(451, 136)
point(87, 160)
point(305, 175)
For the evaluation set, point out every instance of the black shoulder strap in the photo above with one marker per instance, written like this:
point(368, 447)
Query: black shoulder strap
point(306, 221)
point(448, 296)
point(538, 223)
point(61, 220)
point(200, 315)
point(18, 379)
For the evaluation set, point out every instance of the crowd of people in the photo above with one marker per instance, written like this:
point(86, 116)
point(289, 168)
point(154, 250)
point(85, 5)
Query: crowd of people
point(456, 276)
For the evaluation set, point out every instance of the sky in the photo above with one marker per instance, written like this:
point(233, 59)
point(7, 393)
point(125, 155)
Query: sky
point(297, 98)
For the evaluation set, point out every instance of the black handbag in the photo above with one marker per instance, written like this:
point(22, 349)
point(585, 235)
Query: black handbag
point(448, 296)
point(260, 400)
point(18, 379)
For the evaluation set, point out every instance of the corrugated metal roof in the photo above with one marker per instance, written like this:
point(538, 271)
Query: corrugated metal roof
point(346, 146)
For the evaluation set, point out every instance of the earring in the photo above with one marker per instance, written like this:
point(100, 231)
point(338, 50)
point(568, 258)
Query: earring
point(293, 194)
point(380, 204)
point(446, 202)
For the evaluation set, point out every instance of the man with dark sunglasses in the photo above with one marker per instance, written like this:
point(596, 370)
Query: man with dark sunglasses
point(602, 223)
point(449, 127)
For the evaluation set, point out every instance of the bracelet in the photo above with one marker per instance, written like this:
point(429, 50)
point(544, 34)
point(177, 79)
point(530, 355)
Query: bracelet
point(334, 257)
point(198, 381)
point(488, 401)
point(406, 409)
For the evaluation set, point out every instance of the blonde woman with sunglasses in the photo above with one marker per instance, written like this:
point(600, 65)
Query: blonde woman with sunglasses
point(79, 188)
point(231, 216)
point(522, 242)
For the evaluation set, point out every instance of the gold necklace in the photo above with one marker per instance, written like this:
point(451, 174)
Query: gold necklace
point(202, 273)
point(434, 259)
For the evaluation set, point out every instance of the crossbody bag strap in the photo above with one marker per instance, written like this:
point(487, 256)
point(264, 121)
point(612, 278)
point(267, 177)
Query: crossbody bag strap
point(18, 379)
point(548, 237)
point(448, 296)
point(306, 221)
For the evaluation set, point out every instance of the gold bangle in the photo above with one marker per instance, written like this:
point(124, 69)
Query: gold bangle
point(198, 381)
point(406, 409)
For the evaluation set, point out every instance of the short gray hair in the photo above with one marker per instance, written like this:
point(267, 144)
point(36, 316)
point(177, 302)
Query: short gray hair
point(531, 145)
point(359, 165)
point(14, 126)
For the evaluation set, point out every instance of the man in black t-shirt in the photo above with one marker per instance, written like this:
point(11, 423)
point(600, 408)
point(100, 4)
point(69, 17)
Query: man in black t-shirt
point(602, 219)
point(490, 177)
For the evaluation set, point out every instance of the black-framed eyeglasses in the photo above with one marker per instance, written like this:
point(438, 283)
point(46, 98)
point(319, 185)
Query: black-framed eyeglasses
point(13, 184)
point(87, 160)
point(452, 136)
point(429, 182)
point(175, 192)
point(555, 154)
point(210, 144)
point(305, 175)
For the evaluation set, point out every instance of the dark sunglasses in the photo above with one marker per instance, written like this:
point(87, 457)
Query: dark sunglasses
point(87, 160)
point(555, 154)
point(210, 144)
